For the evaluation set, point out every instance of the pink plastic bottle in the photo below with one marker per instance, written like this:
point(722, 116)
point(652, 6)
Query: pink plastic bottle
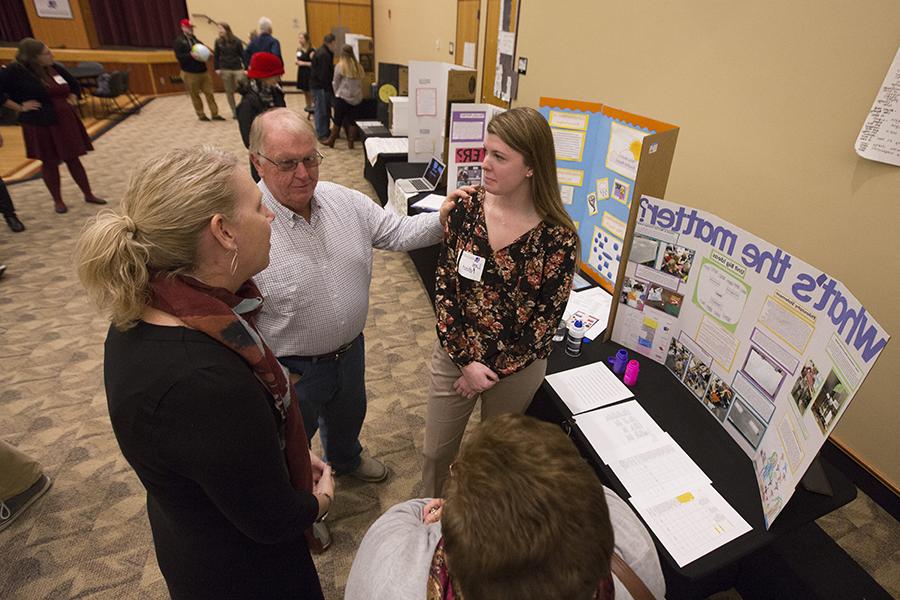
point(631, 372)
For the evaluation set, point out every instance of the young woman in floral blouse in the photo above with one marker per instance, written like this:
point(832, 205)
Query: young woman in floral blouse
point(503, 278)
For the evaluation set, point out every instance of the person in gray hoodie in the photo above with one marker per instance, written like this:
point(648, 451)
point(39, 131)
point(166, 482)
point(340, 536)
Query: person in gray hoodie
point(524, 516)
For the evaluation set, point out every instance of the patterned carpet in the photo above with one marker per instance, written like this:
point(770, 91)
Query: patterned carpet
point(89, 536)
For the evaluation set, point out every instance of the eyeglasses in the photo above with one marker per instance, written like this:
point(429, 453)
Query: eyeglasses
point(286, 166)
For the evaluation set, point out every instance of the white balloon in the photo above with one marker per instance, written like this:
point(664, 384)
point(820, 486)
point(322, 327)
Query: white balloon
point(200, 52)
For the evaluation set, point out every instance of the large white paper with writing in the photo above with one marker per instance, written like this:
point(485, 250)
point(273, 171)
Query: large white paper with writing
point(660, 469)
point(692, 522)
point(620, 430)
point(879, 138)
point(588, 387)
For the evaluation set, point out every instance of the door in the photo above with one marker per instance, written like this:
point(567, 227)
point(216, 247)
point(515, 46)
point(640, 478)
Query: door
point(322, 16)
point(499, 50)
point(468, 13)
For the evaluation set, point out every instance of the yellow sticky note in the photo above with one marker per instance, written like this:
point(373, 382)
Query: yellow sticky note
point(685, 497)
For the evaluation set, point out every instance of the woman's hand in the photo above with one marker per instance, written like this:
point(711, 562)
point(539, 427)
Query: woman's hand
point(30, 105)
point(72, 99)
point(476, 378)
point(452, 197)
point(318, 466)
point(431, 512)
point(324, 488)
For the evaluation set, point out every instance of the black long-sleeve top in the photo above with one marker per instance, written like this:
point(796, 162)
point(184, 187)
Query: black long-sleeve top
point(20, 85)
point(182, 46)
point(322, 70)
point(229, 54)
point(202, 436)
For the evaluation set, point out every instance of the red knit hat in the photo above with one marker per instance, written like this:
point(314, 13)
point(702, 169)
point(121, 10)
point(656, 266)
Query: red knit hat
point(264, 64)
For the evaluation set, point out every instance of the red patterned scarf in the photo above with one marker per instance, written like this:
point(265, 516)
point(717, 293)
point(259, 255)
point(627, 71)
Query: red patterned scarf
point(440, 582)
point(229, 318)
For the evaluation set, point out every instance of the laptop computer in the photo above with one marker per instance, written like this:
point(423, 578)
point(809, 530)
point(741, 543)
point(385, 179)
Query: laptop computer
point(427, 182)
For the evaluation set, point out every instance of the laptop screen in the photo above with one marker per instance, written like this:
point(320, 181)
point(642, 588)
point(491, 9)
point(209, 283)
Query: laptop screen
point(434, 171)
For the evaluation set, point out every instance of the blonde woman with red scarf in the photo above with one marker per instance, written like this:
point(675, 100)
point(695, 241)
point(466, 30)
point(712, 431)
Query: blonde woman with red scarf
point(202, 410)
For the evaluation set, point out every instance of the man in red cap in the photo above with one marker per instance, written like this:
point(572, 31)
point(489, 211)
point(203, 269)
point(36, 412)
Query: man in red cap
point(194, 74)
point(259, 94)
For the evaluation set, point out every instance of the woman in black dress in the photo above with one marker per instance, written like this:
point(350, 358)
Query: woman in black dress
point(201, 408)
point(43, 93)
point(305, 53)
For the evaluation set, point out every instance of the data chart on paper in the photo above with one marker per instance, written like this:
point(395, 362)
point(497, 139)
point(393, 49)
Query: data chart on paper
point(692, 523)
point(658, 470)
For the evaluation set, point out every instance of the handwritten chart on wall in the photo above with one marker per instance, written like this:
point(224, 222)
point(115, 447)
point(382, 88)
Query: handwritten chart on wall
point(598, 153)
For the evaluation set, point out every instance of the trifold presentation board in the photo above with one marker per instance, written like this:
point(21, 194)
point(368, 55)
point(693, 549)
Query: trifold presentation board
point(774, 348)
point(468, 128)
point(605, 157)
point(432, 86)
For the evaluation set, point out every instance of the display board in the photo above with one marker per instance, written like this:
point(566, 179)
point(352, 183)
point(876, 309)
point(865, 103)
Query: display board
point(468, 128)
point(774, 348)
point(604, 158)
point(432, 87)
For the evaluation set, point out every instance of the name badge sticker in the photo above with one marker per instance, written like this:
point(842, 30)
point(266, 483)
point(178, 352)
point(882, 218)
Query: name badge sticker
point(59, 79)
point(470, 265)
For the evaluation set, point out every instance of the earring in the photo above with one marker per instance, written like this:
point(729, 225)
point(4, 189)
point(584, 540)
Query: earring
point(234, 261)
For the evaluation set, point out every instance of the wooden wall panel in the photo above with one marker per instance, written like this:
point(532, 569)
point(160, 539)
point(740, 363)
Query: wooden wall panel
point(356, 18)
point(467, 15)
point(320, 18)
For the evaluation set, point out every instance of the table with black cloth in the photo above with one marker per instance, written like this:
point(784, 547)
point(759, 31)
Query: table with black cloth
point(377, 174)
point(701, 436)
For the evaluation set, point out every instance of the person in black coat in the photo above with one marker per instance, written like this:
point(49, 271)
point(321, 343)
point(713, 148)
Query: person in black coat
point(43, 92)
point(6, 206)
point(320, 83)
point(260, 93)
point(194, 74)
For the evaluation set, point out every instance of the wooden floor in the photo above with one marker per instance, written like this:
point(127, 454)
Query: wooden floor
point(15, 166)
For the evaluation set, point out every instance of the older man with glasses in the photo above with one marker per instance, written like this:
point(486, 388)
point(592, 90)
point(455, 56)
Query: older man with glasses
point(316, 286)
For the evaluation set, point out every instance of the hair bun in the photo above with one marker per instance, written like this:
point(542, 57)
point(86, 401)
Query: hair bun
point(130, 227)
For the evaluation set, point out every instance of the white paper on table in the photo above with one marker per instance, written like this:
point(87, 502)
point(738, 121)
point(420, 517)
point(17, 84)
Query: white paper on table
point(370, 124)
point(692, 522)
point(660, 469)
point(379, 145)
point(879, 138)
point(595, 302)
point(579, 282)
point(431, 202)
point(620, 430)
point(588, 387)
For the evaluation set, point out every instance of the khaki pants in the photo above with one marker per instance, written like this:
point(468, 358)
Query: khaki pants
point(18, 472)
point(448, 413)
point(197, 83)
point(231, 79)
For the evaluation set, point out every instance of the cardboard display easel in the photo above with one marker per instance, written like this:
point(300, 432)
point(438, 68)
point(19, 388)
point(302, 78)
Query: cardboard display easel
point(583, 133)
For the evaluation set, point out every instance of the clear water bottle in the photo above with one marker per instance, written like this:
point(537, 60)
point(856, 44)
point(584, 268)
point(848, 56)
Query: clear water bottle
point(573, 340)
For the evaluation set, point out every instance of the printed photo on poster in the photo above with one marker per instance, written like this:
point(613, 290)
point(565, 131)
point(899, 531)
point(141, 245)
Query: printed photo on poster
point(662, 299)
point(750, 426)
point(763, 371)
point(620, 190)
point(697, 377)
point(829, 401)
point(718, 398)
point(592, 204)
point(805, 386)
point(677, 358)
point(468, 126)
point(676, 261)
point(624, 150)
point(603, 188)
point(632, 293)
point(468, 175)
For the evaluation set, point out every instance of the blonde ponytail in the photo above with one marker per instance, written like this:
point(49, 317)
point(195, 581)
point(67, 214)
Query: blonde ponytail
point(112, 266)
point(169, 202)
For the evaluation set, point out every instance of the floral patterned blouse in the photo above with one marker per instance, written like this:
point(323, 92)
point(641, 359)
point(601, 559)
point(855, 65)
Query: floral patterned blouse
point(506, 320)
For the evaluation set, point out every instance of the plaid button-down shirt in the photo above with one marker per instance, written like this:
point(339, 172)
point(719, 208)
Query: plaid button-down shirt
point(316, 287)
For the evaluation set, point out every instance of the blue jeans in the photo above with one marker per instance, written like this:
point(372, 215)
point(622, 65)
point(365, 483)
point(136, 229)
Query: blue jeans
point(332, 397)
point(323, 99)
